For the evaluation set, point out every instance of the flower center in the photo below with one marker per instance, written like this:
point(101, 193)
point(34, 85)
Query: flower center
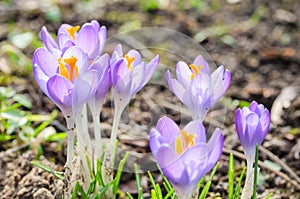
point(195, 70)
point(129, 61)
point(72, 30)
point(184, 141)
point(68, 73)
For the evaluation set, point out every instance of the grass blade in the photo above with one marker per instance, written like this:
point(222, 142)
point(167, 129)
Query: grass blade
point(239, 184)
point(230, 176)
point(255, 172)
point(207, 185)
point(119, 173)
point(138, 182)
point(57, 174)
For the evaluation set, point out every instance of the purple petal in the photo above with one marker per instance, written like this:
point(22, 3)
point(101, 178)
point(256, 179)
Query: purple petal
point(175, 86)
point(154, 141)
point(253, 106)
point(197, 128)
point(60, 92)
point(102, 38)
point(116, 55)
point(170, 163)
point(138, 77)
point(265, 120)
point(168, 130)
point(137, 57)
point(82, 58)
point(41, 78)
point(46, 61)
point(88, 40)
point(95, 24)
point(151, 68)
point(63, 29)
point(84, 88)
point(183, 74)
point(200, 61)
point(220, 82)
point(48, 40)
point(240, 125)
point(252, 121)
point(64, 41)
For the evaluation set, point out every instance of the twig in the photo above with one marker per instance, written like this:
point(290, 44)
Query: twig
point(280, 162)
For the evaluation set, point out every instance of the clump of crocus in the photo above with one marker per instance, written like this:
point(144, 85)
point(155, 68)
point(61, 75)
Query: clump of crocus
point(252, 125)
point(90, 38)
point(197, 88)
point(183, 155)
point(68, 80)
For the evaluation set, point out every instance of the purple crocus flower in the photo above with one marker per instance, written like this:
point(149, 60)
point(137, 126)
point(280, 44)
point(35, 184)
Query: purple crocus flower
point(184, 155)
point(196, 87)
point(129, 74)
point(252, 125)
point(103, 66)
point(90, 37)
point(68, 79)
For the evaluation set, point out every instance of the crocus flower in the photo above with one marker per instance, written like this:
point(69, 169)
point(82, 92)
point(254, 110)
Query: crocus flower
point(102, 65)
point(90, 37)
point(183, 155)
point(252, 125)
point(129, 73)
point(197, 88)
point(68, 80)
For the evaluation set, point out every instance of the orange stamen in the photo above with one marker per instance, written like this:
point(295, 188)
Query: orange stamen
point(129, 60)
point(195, 69)
point(63, 70)
point(72, 63)
point(184, 141)
point(72, 30)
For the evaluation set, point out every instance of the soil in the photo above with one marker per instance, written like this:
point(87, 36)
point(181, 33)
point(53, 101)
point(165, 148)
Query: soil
point(258, 41)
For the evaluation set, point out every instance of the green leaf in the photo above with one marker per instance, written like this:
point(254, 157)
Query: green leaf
point(45, 123)
point(138, 182)
point(255, 173)
point(58, 137)
point(57, 174)
point(7, 92)
point(239, 184)
point(129, 195)
point(4, 137)
point(230, 176)
point(207, 185)
point(103, 190)
point(99, 177)
point(119, 173)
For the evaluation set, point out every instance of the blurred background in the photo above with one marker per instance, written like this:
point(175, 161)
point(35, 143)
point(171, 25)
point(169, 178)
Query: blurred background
point(258, 40)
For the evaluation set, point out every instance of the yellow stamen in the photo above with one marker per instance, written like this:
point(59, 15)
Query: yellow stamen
point(178, 145)
point(129, 61)
point(72, 64)
point(63, 70)
point(72, 30)
point(195, 69)
point(184, 141)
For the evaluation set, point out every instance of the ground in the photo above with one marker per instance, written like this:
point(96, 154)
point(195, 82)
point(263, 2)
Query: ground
point(257, 41)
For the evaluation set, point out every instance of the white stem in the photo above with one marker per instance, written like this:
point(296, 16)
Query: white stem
point(248, 188)
point(70, 147)
point(97, 134)
point(83, 145)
